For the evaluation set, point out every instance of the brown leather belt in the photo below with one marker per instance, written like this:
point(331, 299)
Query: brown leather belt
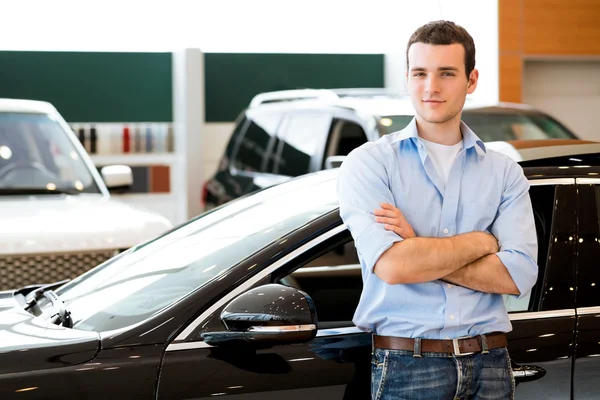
point(458, 346)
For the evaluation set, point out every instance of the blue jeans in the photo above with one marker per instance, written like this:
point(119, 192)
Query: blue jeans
point(397, 375)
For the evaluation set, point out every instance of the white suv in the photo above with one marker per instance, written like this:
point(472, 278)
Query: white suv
point(57, 216)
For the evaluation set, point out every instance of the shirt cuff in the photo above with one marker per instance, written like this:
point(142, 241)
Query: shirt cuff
point(522, 269)
point(373, 241)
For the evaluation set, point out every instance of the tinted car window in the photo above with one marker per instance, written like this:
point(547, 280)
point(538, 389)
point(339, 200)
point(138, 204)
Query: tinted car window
point(588, 277)
point(334, 283)
point(301, 135)
point(555, 208)
point(490, 126)
point(254, 144)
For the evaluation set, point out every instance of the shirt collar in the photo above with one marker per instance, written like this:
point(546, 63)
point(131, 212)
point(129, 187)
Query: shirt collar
point(470, 139)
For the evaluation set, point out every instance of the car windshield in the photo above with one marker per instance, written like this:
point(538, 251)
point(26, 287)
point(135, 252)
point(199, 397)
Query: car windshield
point(36, 154)
point(494, 126)
point(139, 283)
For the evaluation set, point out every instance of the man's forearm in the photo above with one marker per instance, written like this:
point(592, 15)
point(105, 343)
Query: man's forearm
point(486, 274)
point(419, 259)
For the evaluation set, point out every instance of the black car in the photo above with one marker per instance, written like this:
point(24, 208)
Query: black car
point(290, 133)
point(254, 300)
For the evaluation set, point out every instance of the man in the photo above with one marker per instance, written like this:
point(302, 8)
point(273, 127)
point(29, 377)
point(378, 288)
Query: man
point(443, 227)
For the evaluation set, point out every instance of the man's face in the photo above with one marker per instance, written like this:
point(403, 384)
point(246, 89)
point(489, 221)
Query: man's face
point(437, 82)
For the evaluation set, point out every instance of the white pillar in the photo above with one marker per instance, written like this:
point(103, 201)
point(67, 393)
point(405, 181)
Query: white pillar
point(188, 120)
point(394, 71)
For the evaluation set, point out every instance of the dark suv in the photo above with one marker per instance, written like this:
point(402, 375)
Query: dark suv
point(290, 133)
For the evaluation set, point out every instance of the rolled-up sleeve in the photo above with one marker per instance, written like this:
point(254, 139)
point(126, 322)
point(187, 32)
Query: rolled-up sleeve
point(514, 227)
point(363, 184)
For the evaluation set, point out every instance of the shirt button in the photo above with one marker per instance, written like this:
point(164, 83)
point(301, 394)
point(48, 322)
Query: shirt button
point(446, 230)
point(449, 286)
point(451, 316)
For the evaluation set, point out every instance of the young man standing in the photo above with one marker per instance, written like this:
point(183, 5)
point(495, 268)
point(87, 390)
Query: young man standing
point(443, 227)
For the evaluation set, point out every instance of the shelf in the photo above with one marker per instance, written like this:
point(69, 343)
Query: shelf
point(133, 159)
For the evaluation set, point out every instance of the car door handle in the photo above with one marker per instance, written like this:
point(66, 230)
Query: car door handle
point(527, 373)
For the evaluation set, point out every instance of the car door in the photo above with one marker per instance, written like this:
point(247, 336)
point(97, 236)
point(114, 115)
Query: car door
point(587, 355)
point(334, 365)
point(542, 340)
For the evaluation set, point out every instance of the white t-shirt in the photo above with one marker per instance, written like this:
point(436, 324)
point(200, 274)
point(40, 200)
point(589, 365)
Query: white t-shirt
point(442, 157)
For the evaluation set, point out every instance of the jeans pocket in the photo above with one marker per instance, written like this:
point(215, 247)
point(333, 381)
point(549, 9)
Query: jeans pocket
point(379, 366)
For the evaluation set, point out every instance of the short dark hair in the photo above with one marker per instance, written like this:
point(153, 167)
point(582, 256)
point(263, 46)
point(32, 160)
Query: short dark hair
point(444, 33)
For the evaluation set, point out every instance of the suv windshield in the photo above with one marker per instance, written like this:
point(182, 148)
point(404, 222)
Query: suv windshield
point(36, 155)
point(494, 126)
point(141, 282)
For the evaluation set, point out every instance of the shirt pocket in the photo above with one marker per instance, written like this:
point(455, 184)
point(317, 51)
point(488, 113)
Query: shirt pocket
point(477, 216)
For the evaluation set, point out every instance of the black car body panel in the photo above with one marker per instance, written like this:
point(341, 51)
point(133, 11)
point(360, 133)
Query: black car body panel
point(32, 344)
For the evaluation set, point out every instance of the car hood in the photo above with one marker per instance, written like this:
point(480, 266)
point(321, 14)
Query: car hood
point(45, 224)
point(28, 343)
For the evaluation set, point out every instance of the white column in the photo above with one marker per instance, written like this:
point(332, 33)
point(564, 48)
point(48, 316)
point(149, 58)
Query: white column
point(394, 71)
point(188, 120)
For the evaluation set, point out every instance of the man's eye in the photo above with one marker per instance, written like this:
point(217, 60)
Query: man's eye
point(447, 74)
point(418, 74)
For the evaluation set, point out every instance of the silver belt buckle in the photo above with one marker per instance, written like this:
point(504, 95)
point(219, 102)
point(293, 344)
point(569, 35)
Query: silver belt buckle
point(457, 348)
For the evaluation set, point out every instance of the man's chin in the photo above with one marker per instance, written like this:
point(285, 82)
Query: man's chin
point(436, 119)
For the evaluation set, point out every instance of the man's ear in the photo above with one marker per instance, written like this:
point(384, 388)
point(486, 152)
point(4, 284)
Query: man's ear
point(472, 83)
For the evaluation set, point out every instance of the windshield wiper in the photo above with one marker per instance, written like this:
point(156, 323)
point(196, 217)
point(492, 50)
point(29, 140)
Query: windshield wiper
point(36, 190)
point(35, 291)
point(60, 315)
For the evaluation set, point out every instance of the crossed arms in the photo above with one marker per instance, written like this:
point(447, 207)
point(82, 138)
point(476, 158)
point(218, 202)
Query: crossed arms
point(502, 261)
point(467, 259)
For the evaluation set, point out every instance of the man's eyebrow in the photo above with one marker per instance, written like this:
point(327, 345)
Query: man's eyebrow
point(421, 69)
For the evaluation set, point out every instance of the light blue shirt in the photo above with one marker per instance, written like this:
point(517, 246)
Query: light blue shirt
point(485, 191)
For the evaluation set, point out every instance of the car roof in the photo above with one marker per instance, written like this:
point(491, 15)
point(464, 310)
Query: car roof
point(26, 106)
point(373, 101)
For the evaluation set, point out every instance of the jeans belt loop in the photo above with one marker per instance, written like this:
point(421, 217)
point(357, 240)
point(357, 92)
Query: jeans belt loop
point(484, 345)
point(417, 349)
point(372, 343)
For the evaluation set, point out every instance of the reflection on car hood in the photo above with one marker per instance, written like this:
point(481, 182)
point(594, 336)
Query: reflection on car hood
point(28, 343)
point(39, 224)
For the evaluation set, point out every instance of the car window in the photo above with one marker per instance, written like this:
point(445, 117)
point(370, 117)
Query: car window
point(254, 143)
point(554, 208)
point(588, 249)
point(344, 137)
point(333, 281)
point(492, 126)
point(142, 281)
point(301, 137)
point(504, 126)
point(35, 152)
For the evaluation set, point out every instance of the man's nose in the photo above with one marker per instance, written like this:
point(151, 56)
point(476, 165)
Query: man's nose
point(432, 85)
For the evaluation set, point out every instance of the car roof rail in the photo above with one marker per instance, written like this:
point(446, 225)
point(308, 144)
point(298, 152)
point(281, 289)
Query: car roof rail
point(295, 94)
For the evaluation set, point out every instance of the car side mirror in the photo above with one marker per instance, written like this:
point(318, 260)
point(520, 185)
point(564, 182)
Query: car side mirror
point(117, 177)
point(334, 161)
point(269, 314)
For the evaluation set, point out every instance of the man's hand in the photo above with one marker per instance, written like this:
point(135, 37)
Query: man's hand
point(394, 220)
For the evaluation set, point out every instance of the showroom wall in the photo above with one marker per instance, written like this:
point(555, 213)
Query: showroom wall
point(549, 56)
